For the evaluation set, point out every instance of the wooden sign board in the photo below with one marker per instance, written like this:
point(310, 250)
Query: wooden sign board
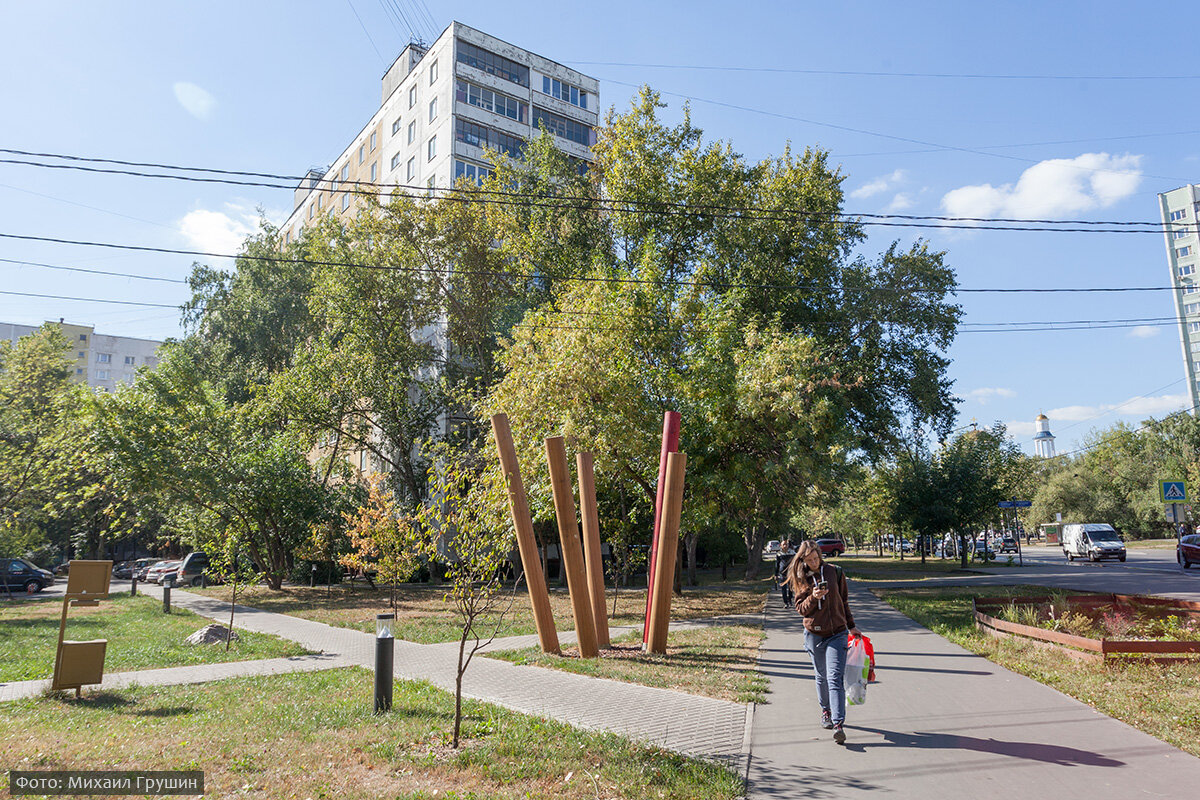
point(80, 664)
point(89, 580)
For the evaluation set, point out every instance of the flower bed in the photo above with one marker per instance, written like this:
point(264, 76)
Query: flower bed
point(1097, 627)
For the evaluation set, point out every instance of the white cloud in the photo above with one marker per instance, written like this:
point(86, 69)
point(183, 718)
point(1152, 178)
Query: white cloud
point(1052, 188)
point(984, 394)
point(1144, 331)
point(219, 231)
point(1139, 407)
point(901, 202)
point(879, 185)
point(196, 101)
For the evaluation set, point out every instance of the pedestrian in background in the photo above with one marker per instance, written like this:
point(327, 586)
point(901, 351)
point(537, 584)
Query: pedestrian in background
point(782, 561)
point(822, 598)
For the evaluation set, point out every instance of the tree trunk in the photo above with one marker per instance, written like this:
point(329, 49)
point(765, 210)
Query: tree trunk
point(462, 646)
point(689, 543)
point(232, 606)
point(754, 539)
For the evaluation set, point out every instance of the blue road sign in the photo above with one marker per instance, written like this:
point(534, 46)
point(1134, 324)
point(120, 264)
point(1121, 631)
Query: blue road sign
point(1014, 503)
point(1173, 491)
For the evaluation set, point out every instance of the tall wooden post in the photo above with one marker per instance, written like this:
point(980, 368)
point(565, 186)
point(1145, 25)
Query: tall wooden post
point(664, 563)
point(670, 444)
point(592, 557)
point(518, 504)
point(572, 553)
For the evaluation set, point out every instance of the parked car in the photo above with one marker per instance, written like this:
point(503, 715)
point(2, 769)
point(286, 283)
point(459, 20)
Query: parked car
point(160, 570)
point(831, 547)
point(1008, 544)
point(144, 566)
point(192, 569)
point(1092, 540)
point(1187, 550)
point(772, 548)
point(21, 575)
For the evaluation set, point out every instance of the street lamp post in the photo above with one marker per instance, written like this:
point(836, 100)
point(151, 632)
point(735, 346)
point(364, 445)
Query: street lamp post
point(385, 650)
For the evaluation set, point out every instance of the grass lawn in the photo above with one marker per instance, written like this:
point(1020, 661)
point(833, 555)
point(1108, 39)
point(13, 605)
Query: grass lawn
point(424, 616)
point(139, 636)
point(1150, 544)
point(718, 661)
point(1163, 701)
point(312, 735)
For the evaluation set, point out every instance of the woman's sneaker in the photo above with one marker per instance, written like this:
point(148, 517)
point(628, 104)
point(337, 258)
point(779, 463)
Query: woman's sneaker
point(839, 735)
point(826, 719)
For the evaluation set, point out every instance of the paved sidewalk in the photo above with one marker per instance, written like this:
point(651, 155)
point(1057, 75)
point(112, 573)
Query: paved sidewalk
point(943, 722)
point(697, 726)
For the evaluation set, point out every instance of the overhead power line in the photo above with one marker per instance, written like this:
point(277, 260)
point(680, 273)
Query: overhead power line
point(24, 263)
point(887, 74)
point(476, 194)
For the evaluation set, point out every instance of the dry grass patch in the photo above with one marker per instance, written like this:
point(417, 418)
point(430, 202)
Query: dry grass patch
point(313, 735)
point(1163, 701)
point(423, 615)
point(718, 661)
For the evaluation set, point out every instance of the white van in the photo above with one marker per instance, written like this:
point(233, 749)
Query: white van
point(1091, 540)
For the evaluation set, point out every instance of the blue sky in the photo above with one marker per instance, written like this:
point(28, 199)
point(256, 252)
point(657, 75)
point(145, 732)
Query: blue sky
point(277, 87)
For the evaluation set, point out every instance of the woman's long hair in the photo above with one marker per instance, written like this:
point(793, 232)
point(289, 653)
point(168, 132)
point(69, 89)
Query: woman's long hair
point(798, 570)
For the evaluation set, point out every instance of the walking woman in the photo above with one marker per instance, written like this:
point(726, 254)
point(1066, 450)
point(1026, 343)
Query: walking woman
point(822, 599)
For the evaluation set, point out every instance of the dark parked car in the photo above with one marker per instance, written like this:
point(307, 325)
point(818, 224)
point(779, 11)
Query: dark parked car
point(1187, 551)
point(191, 571)
point(142, 569)
point(831, 547)
point(20, 575)
point(1008, 545)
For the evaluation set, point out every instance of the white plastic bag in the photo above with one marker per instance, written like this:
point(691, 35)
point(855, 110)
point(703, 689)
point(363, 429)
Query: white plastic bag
point(858, 667)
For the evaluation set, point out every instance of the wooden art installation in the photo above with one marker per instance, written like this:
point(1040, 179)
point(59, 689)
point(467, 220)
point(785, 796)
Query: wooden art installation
point(569, 544)
point(670, 444)
point(593, 560)
point(79, 664)
point(664, 562)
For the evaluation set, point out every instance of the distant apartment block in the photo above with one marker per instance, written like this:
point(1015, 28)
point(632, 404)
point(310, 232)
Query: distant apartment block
point(101, 361)
point(1180, 210)
point(442, 105)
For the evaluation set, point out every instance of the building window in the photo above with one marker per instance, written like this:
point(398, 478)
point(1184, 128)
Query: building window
point(433, 73)
point(472, 172)
point(395, 160)
point(362, 153)
point(565, 128)
point(412, 168)
point(373, 138)
point(412, 97)
point(488, 100)
point(101, 374)
point(433, 109)
point(81, 354)
point(345, 172)
point(396, 126)
point(320, 201)
point(412, 131)
point(78, 371)
point(564, 91)
point(481, 136)
point(430, 185)
point(1179, 234)
point(83, 337)
point(1187, 269)
point(374, 171)
point(1191, 308)
point(1177, 215)
point(492, 64)
point(1180, 252)
point(312, 209)
point(129, 360)
point(1190, 288)
point(345, 201)
point(1194, 327)
point(431, 148)
point(103, 358)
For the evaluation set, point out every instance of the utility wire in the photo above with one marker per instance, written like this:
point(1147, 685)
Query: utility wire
point(24, 263)
point(371, 188)
point(879, 74)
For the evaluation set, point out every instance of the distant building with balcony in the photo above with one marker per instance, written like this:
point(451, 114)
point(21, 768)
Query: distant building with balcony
point(99, 360)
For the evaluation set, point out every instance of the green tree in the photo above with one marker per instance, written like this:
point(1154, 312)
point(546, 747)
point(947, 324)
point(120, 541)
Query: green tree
point(383, 539)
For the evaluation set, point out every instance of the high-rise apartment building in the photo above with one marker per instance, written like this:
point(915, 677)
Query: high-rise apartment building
point(100, 361)
point(442, 105)
point(1180, 210)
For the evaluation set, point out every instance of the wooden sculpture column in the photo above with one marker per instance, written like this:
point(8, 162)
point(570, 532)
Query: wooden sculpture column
point(670, 444)
point(592, 557)
point(572, 553)
point(518, 504)
point(664, 562)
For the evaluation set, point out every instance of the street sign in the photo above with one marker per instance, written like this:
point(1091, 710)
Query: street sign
point(1014, 503)
point(1173, 491)
point(1169, 509)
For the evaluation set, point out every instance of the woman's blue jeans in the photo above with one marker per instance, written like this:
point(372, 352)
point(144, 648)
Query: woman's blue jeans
point(828, 656)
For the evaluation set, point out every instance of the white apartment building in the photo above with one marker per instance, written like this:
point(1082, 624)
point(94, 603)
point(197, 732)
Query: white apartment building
point(101, 361)
point(1180, 209)
point(441, 105)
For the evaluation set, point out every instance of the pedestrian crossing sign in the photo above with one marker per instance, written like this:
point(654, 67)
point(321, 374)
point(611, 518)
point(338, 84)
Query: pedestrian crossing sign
point(1173, 491)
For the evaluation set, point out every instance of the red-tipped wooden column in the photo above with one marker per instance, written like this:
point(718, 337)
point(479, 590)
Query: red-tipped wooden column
point(664, 563)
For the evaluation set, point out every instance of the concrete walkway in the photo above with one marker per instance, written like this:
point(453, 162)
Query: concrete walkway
point(943, 722)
